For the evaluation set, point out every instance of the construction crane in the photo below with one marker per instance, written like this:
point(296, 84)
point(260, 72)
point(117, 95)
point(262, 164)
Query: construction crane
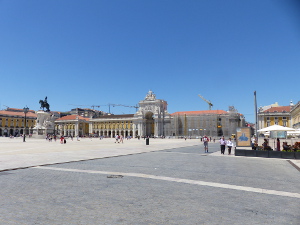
point(109, 105)
point(208, 102)
point(93, 106)
point(124, 105)
point(136, 107)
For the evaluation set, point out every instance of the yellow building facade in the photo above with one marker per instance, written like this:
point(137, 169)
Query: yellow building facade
point(112, 125)
point(12, 122)
point(278, 115)
point(72, 125)
point(105, 126)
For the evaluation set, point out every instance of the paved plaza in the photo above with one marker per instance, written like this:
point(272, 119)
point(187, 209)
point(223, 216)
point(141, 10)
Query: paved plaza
point(169, 181)
point(18, 154)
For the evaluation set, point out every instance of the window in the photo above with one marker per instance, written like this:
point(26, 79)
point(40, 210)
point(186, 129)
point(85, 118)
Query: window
point(276, 121)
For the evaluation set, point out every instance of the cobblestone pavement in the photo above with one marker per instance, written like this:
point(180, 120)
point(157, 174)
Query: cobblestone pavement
point(168, 183)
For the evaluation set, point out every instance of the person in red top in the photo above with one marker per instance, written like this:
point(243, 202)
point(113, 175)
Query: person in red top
point(62, 139)
point(278, 144)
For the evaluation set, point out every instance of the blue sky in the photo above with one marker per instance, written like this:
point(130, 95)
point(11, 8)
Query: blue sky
point(84, 53)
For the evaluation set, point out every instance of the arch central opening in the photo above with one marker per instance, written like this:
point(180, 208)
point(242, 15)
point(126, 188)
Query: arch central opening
point(149, 124)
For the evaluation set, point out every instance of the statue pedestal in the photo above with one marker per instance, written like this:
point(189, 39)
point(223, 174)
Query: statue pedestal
point(44, 125)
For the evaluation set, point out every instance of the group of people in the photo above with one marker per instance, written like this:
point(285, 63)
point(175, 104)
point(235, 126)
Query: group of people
point(266, 145)
point(223, 143)
point(49, 137)
point(62, 139)
point(119, 139)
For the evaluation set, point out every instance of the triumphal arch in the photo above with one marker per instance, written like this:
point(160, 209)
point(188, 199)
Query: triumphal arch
point(152, 119)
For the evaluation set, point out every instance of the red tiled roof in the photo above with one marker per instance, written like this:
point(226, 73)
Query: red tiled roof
point(19, 114)
point(73, 117)
point(279, 109)
point(200, 112)
point(19, 110)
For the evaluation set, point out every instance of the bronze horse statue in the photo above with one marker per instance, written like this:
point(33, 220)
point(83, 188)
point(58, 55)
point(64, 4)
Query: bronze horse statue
point(45, 104)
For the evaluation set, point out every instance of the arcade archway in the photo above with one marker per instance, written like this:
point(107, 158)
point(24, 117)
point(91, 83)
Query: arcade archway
point(149, 124)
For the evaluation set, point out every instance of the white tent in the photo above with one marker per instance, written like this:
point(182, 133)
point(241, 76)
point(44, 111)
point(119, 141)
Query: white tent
point(276, 128)
point(295, 132)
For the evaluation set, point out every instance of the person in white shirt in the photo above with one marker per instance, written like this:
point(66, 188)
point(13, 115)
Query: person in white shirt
point(117, 139)
point(222, 145)
point(229, 144)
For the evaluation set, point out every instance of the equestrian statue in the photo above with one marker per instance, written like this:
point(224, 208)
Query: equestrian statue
point(45, 104)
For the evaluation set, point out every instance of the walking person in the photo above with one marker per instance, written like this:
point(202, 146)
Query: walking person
point(222, 145)
point(117, 139)
point(253, 140)
point(62, 139)
point(229, 144)
point(205, 143)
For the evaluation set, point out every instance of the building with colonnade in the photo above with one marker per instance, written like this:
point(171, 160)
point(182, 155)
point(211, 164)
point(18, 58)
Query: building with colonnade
point(152, 119)
point(12, 122)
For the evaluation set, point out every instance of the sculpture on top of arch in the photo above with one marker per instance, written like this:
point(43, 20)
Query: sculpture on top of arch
point(150, 96)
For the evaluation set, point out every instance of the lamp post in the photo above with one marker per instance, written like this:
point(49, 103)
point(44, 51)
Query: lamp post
point(255, 108)
point(25, 110)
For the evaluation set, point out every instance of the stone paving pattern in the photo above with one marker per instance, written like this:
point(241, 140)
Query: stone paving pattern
point(42, 195)
point(17, 154)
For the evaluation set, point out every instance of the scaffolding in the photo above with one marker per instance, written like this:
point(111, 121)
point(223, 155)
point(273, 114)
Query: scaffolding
point(210, 124)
